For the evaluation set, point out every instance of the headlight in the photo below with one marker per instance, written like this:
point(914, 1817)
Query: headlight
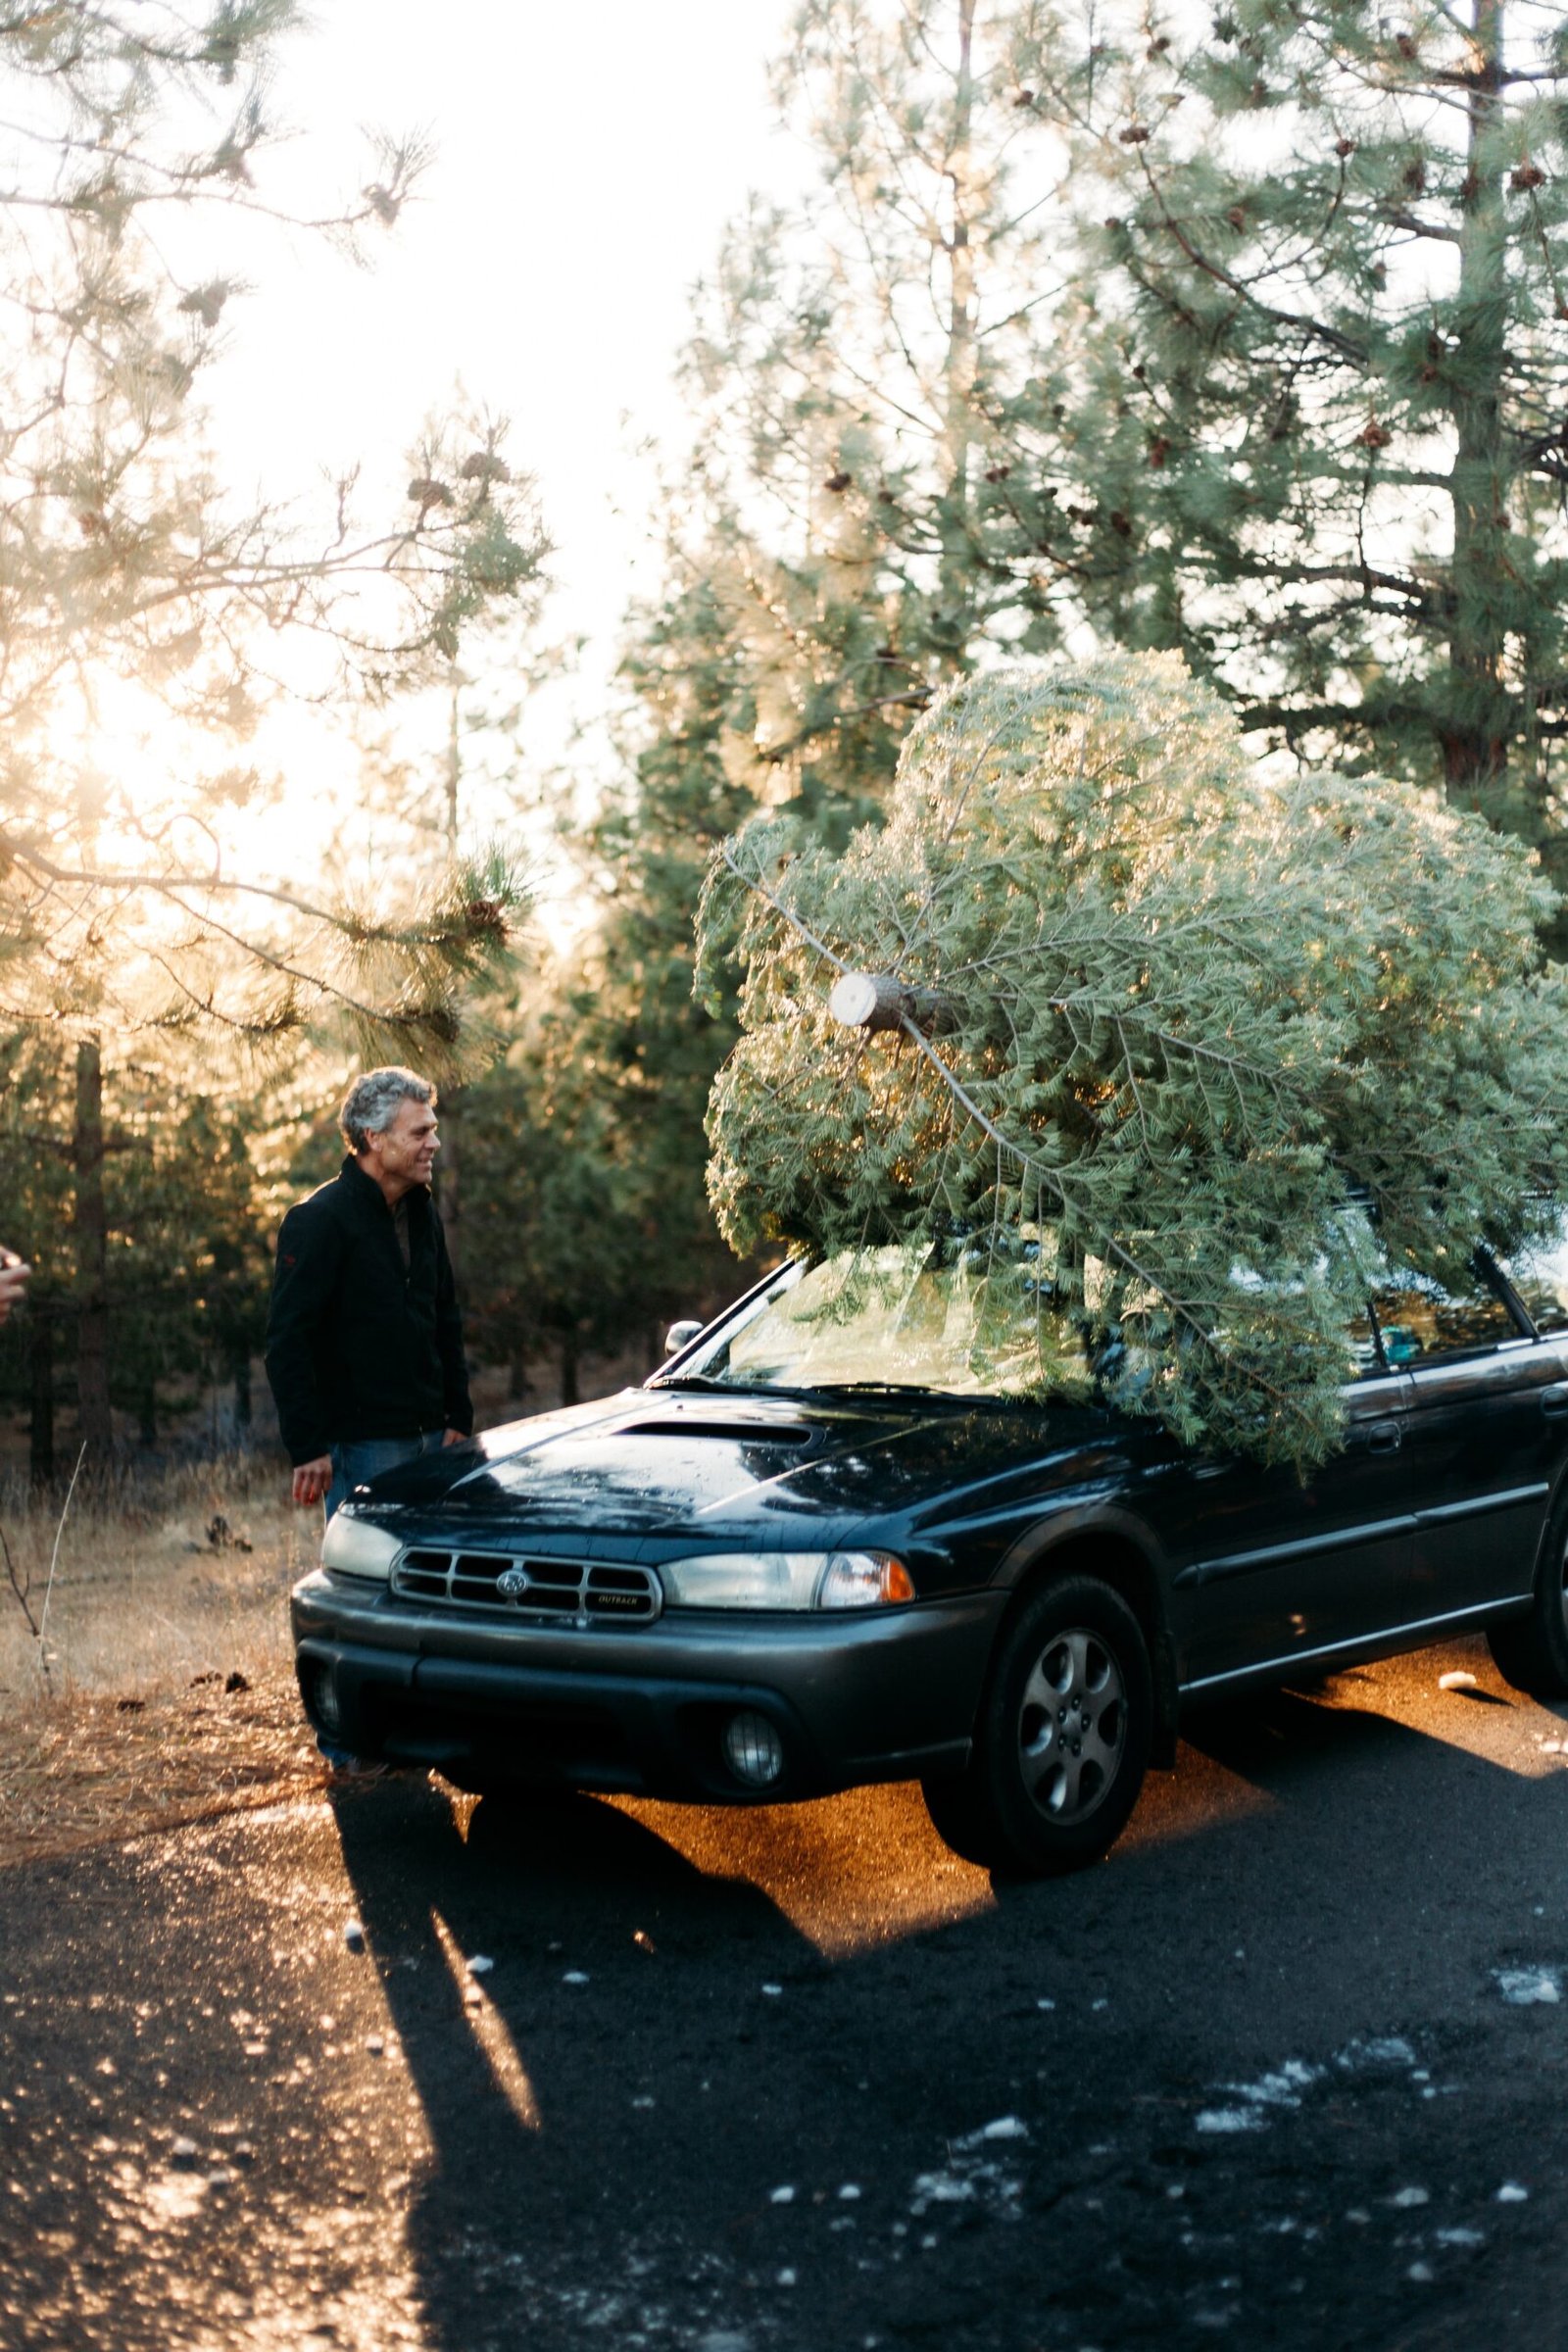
point(353, 1546)
point(786, 1580)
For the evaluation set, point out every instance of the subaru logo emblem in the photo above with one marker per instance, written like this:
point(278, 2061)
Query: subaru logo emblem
point(512, 1583)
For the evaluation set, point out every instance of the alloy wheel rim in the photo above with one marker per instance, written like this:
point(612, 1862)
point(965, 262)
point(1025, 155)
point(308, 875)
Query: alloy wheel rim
point(1072, 1725)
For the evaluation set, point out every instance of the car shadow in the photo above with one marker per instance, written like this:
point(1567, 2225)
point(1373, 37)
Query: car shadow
point(666, 2040)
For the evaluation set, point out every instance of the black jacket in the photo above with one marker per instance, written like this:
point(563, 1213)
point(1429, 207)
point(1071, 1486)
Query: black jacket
point(356, 1347)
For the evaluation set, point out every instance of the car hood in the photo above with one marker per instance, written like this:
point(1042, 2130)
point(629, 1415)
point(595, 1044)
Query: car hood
point(657, 1463)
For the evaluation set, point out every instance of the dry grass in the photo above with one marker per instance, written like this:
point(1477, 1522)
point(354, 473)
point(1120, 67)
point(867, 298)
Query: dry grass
point(161, 1688)
point(157, 1580)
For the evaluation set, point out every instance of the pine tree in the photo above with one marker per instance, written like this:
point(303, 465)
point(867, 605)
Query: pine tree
point(1147, 1038)
point(137, 595)
point(129, 578)
point(872, 383)
point(1322, 307)
point(872, 390)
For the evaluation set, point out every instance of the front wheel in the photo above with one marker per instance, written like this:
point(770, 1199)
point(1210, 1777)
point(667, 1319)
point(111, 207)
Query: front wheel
point(1062, 1740)
point(1531, 1652)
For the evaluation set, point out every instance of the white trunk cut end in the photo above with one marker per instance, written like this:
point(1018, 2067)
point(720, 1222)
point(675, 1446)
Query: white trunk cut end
point(868, 1000)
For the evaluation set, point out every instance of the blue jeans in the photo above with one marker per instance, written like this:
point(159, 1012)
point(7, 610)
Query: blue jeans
point(364, 1458)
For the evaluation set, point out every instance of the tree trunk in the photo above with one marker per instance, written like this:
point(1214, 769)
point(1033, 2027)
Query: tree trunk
point(90, 1233)
point(41, 1391)
point(955, 568)
point(569, 1369)
point(449, 1178)
point(239, 1367)
point(1478, 719)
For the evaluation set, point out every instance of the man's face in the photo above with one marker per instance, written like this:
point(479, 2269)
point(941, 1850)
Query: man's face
point(402, 1155)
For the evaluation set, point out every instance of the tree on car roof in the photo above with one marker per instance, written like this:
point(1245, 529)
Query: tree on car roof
point(1175, 1031)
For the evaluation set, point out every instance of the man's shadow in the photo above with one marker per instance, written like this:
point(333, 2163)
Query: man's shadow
point(537, 2075)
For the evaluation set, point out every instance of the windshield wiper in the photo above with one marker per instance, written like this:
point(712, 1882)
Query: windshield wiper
point(872, 1388)
point(688, 1380)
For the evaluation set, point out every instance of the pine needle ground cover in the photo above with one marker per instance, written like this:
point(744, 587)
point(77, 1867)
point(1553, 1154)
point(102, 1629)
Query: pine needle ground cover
point(1179, 1052)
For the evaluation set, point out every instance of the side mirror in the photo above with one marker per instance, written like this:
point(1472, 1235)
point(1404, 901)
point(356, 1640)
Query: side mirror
point(679, 1336)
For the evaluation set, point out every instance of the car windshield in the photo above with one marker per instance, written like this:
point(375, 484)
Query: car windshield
point(952, 1316)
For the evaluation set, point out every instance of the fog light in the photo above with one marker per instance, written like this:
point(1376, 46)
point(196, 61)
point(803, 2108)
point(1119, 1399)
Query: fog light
point(753, 1750)
point(322, 1695)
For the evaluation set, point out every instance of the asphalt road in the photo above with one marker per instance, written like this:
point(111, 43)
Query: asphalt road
point(1285, 2070)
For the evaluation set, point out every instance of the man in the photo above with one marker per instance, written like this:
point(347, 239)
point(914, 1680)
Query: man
point(363, 1342)
point(13, 1281)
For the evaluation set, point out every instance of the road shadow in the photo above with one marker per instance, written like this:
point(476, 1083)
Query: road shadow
point(681, 2045)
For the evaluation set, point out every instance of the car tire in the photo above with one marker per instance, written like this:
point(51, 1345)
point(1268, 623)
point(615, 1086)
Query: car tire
point(1063, 1738)
point(1531, 1652)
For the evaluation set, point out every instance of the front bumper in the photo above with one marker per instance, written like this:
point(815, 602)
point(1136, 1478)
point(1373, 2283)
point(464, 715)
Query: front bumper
point(887, 1694)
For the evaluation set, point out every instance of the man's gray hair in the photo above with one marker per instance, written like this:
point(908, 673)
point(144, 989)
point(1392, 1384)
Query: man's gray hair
point(371, 1103)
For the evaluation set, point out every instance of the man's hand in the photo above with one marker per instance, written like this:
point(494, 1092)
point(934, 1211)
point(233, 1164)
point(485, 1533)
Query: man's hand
point(454, 1436)
point(14, 1283)
point(312, 1479)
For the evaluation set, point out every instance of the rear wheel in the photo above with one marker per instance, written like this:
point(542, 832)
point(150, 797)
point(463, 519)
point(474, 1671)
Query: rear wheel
point(1531, 1652)
point(1063, 1738)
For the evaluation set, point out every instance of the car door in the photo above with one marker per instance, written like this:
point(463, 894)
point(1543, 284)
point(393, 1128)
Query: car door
point(1276, 1570)
point(1483, 1433)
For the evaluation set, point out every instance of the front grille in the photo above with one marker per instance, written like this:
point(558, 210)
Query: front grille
point(545, 1592)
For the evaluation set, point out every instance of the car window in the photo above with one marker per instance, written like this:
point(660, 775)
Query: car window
point(1425, 1318)
point(1540, 1275)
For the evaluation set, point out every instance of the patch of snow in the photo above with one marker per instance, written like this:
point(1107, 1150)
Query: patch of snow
point(1523, 1988)
point(1512, 2193)
point(1382, 2049)
point(943, 2188)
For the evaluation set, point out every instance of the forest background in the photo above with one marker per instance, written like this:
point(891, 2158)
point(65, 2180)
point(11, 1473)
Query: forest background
point(1237, 333)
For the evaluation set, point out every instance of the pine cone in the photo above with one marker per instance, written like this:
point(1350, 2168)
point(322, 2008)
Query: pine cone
point(838, 481)
point(1373, 435)
point(1136, 134)
point(1524, 176)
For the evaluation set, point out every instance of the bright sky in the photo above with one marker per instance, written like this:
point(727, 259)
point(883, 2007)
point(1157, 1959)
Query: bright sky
point(587, 160)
